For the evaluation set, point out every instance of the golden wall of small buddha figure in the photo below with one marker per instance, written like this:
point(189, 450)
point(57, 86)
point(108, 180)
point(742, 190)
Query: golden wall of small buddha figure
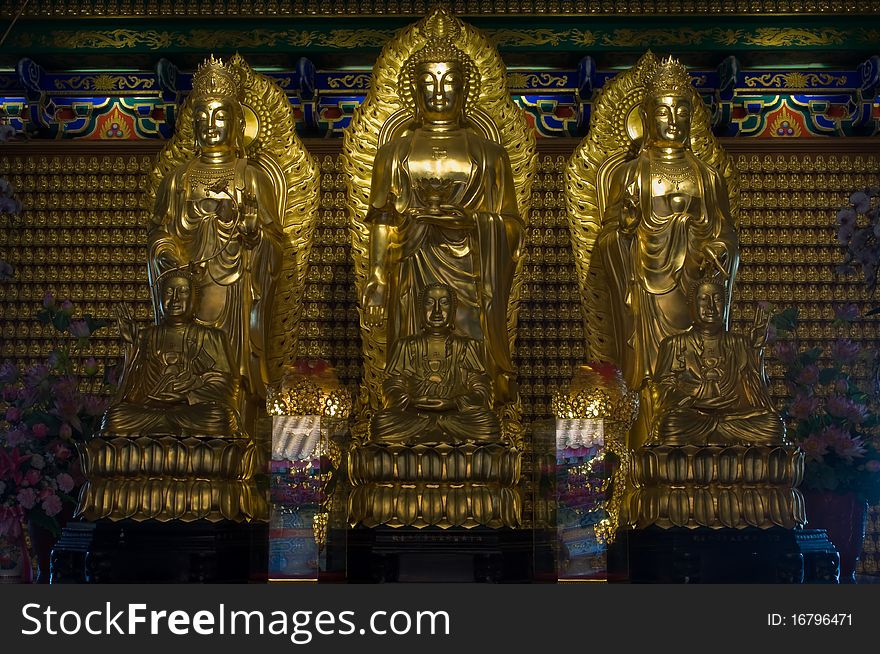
point(82, 236)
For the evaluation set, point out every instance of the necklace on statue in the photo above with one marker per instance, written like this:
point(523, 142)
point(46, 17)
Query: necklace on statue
point(674, 173)
point(207, 175)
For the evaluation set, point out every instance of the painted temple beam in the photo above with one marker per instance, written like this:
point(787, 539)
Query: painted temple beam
point(136, 105)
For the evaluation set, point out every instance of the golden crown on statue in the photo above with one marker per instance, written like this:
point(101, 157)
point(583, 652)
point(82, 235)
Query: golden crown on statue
point(669, 77)
point(214, 78)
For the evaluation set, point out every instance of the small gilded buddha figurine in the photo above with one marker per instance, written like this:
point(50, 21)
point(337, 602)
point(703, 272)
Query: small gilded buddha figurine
point(179, 377)
point(219, 213)
point(443, 211)
point(710, 382)
point(668, 225)
point(436, 389)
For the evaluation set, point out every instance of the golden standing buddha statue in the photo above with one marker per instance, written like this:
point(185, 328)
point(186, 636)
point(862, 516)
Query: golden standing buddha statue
point(439, 161)
point(443, 210)
point(664, 222)
point(219, 214)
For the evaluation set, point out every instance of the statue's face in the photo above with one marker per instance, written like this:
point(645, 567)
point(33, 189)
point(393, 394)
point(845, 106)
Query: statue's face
point(177, 299)
point(440, 90)
point(710, 304)
point(214, 122)
point(438, 307)
point(670, 119)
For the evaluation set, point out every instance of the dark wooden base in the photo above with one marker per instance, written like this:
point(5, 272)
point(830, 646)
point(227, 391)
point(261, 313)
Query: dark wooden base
point(153, 552)
point(775, 555)
point(385, 554)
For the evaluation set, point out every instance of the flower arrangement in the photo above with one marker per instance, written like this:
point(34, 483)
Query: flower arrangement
point(858, 231)
point(43, 416)
point(829, 416)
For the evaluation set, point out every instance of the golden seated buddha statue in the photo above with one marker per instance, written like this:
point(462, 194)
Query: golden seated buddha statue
point(709, 381)
point(436, 390)
point(171, 445)
point(178, 375)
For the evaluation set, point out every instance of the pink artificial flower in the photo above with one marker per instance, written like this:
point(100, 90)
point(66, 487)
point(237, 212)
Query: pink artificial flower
point(37, 374)
point(37, 461)
point(808, 376)
point(59, 450)
point(67, 408)
point(52, 505)
point(873, 465)
point(838, 406)
point(10, 521)
point(27, 397)
point(9, 394)
point(10, 464)
point(843, 444)
point(31, 478)
point(65, 431)
point(13, 414)
point(48, 301)
point(40, 430)
point(16, 437)
point(27, 497)
point(8, 373)
point(841, 386)
point(67, 307)
point(94, 405)
point(845, 351)
point(79, 329)
point(803, 406)
point(861, 201)
point(814, 447)
point(857, 413)
point(785, 352)
point(90, 367)
point(65, 482)
point(846, 216)
point(846, 313)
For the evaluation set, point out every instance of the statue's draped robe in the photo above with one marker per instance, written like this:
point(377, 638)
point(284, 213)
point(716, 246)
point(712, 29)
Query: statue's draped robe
point(199, 367)
point(651, 272)
point(739, 409)
point(237, 292)
point(410, 374)
point(477, 261)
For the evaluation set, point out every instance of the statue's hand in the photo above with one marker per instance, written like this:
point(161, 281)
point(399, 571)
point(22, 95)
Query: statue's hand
point(248, 227)
point(167, 261)
point(630, 215)
point(467, 401)
point(128, 327)
point(714, 402)
point(760, 327)
point(167, 396)
point(432, 403)
point(373, 302)
point(715, 253)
